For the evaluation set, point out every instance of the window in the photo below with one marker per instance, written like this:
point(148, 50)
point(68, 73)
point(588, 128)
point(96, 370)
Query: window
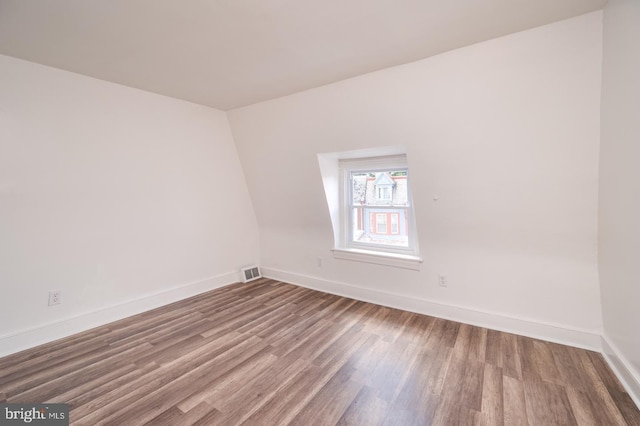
point(368, 195)
point(384, 193)
point(381, 223)
point(376, 211)
point(394, 223)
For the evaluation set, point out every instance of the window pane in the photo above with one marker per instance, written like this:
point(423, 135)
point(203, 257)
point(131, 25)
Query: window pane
point(379, 188)
point(379, 207)
point(357, 224)
point(394, 223)
point(381, 223)
point(359, 188)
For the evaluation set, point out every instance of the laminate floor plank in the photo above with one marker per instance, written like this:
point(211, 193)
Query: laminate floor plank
point(425, 378)
point(495, 349)
point(52, 359)
point(94, 373)
point(492, 412)
point(547, 404)
point(390, 373)
point(152, 400)
point(134, 390)
point(89, 390)
point(478, 344)
point(404, 417)
point(272, 353)
point(623, 401)
point(276, 313)
point(453, 406)
point(514, 405)
point(305, 335)
point(366, 409)
point(331, 401)
point(192, 416)
point(289, 400)
point(70, 367)
point(251, 396)
point(53, 349)
point(444, 333)
point(416, 329)
point(585, 412)
point(607, 399)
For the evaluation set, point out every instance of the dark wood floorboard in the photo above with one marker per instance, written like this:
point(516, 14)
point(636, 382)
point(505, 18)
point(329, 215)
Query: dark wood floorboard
point(271, 353)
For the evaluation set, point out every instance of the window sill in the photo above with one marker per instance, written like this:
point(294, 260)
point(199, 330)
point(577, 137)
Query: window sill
point(386, 259)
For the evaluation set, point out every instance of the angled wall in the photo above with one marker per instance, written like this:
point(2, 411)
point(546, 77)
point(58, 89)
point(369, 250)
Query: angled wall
point(505, 133)
point(620, 190)
point(123, 199)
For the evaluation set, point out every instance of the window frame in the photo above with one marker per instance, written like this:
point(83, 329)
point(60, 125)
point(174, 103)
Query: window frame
point(346, 208)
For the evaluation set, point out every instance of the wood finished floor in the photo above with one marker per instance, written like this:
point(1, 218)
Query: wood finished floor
point(270, 353)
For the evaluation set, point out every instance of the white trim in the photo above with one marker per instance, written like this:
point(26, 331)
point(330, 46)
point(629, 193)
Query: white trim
point(331, 176)
point(628, 376)
point(345, 204)
point(378, 258)
point(375, 163)
point(34, 336)
point(557, 333)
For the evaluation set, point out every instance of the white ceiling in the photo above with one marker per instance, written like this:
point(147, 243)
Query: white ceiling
point(231, 53)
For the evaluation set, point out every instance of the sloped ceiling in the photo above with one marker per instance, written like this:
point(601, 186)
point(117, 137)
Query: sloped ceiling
point(231, 53)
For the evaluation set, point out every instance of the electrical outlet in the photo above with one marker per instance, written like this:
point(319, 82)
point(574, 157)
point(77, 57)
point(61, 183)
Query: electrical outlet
point(55, 297)
point(442, 281)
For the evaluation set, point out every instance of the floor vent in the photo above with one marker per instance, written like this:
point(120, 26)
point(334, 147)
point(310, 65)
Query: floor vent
point(250, 273)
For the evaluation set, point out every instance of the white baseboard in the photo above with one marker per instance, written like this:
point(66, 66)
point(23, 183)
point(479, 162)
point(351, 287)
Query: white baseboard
point(628, 376)
point(585, 339)
point(28, 338)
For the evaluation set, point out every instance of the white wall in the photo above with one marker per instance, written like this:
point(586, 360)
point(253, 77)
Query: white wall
point(619, 189)
point(505, 132)
point(110, 194)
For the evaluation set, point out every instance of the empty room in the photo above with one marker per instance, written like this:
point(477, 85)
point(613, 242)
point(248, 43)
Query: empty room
point(269, 212)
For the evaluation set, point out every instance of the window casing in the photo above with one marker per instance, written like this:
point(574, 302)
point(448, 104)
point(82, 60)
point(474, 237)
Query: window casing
point(376, 210)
